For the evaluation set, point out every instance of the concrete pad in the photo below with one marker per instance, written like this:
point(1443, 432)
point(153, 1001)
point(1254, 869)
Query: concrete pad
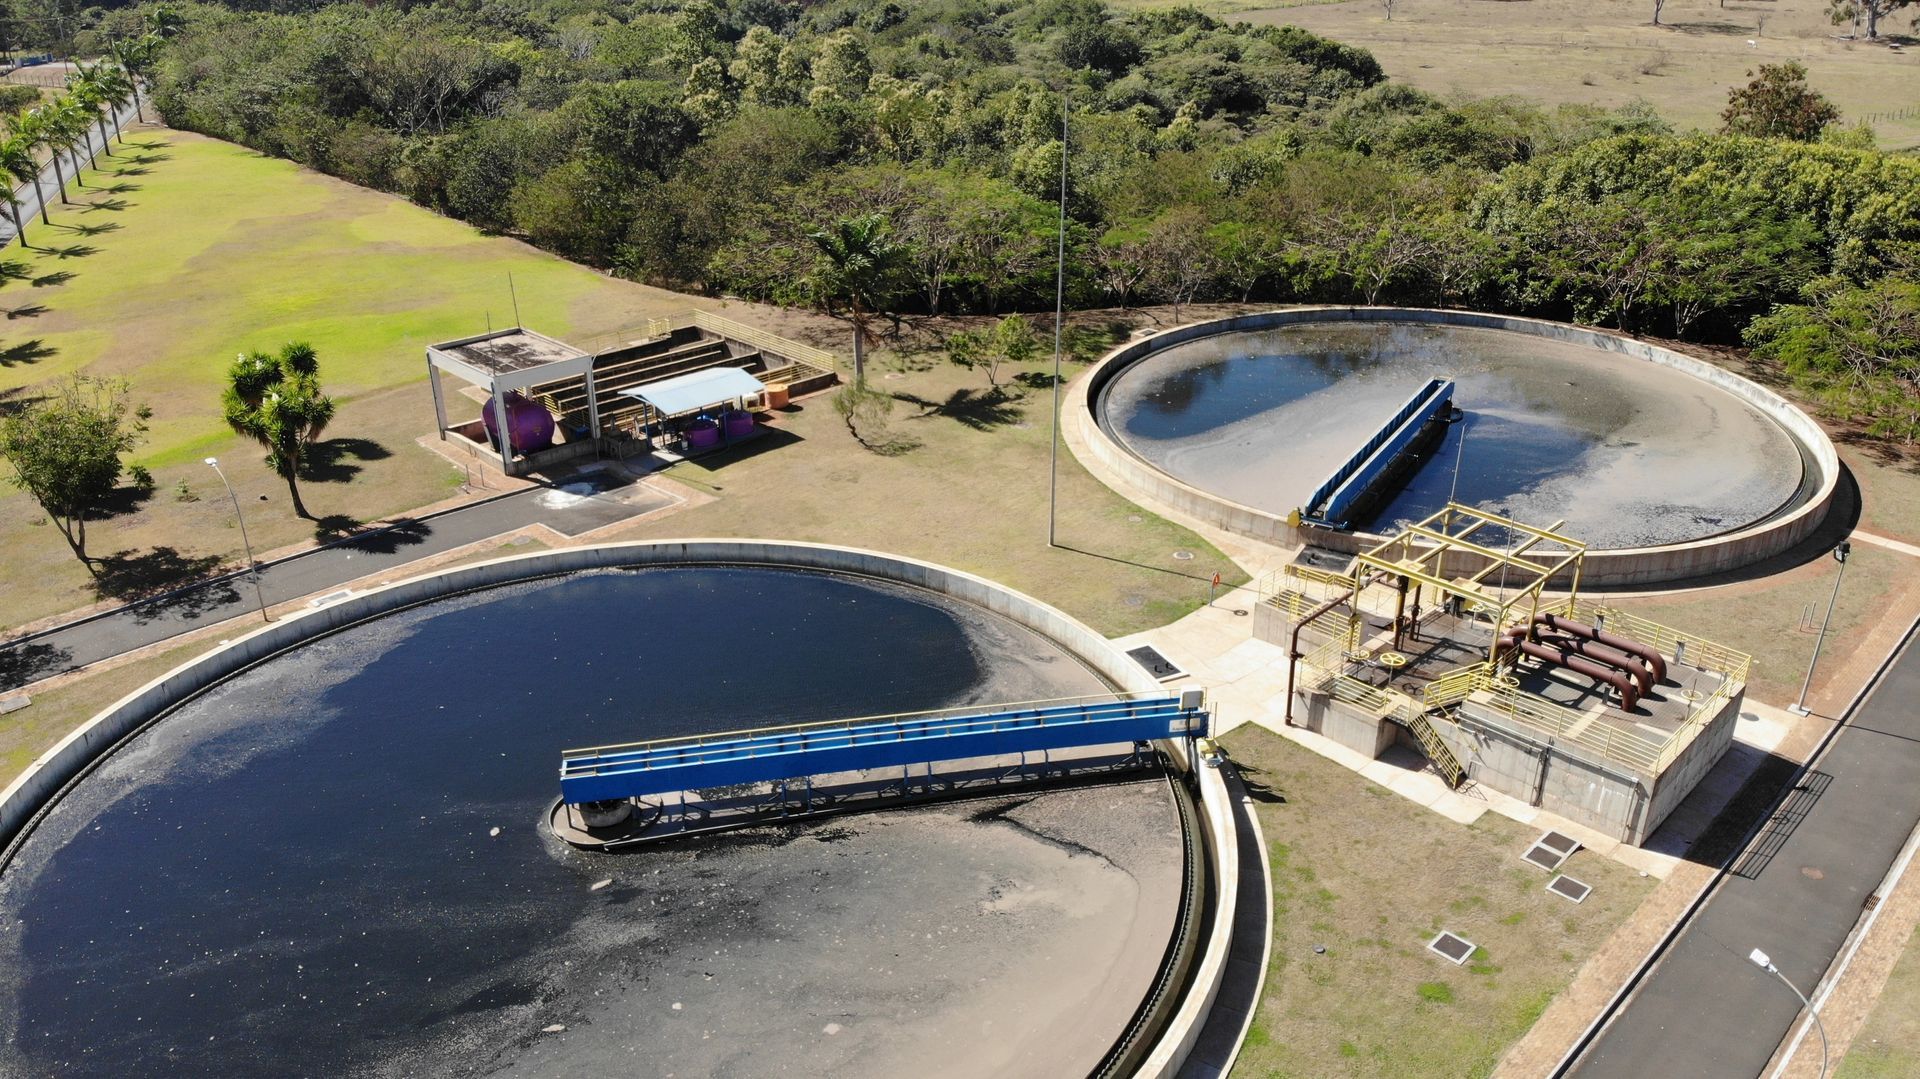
point(1458, 808)
point(1762, 725)
point(1381, 772)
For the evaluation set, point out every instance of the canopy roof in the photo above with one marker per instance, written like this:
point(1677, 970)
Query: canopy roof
point(690, 393)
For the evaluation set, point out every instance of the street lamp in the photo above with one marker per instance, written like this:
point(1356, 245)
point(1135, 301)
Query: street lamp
point(1760, 960)
point(1799, 707)
point(253, 569)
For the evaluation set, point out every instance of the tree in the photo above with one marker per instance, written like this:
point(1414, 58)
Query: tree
point(17, 161)
point(1852, 11)
point(1858, 346)
point(1657, 6)
point(856, 263)
point(133, 55)
point(1778, 104)
point(1011, 339)
point(65, 451)
point(276, 401)
point(40, 127)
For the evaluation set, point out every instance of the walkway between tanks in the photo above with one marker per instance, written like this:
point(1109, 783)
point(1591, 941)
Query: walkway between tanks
point(318, 570)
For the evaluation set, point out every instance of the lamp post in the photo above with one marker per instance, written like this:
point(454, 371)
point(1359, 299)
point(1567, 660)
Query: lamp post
point(1839, 555)
point(253, 570)
point(1760, 959)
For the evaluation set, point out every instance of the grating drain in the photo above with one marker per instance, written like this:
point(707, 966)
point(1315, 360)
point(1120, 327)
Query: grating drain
point(1451, 947)
point(1156, 664)
point(1567, 888)
point(1550, 850)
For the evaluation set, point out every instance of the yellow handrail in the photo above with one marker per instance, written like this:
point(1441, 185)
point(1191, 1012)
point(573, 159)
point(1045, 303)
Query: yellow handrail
point(763, 340)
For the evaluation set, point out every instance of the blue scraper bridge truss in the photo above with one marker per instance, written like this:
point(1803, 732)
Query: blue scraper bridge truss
point(668, 765)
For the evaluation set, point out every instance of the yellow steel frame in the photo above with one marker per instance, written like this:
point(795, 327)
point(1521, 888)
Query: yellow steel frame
point(1419, 553)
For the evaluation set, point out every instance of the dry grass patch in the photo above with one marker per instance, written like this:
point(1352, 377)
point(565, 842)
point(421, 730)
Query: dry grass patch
point(1888, 1047)
point(1372, 877)
point(1579, 51)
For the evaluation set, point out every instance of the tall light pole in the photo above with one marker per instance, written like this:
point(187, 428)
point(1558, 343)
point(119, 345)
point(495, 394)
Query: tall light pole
point(1059, 313)
point(253, 570)
point(1839, 555)
point(1760, 960)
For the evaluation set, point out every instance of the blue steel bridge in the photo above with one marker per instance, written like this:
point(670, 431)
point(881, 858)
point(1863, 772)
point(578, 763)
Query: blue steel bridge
point(701, 762)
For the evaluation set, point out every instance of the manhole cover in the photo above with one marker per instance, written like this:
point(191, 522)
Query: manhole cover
point(1183, 556)
point(1567, 888)
point(1451, 947)
point(1135, 518)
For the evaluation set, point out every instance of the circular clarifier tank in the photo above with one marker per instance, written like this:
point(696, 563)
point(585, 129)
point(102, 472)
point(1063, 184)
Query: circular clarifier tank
point(1631, 446)
point(333, 861)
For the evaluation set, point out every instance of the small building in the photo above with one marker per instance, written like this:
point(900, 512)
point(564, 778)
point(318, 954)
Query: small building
point(1444, 638)
point(547, 402)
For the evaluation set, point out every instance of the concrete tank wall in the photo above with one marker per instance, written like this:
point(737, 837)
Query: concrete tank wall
point(36, 788)
point(1140, 481)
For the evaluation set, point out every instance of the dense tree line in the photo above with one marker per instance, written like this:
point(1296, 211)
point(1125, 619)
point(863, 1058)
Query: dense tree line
point(706, 146)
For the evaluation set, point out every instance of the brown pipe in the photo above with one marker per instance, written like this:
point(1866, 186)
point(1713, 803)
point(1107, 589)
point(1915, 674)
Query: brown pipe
point(1635, 666)
point(1293, 647)
point(1629, 692)
point(1613, 640)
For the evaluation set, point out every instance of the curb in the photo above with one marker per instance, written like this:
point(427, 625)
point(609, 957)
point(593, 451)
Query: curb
point(234, 575)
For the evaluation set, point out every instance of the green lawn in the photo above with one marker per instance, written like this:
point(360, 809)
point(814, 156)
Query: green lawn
point(1371, 878)
point(212, 249)
point(183, 251)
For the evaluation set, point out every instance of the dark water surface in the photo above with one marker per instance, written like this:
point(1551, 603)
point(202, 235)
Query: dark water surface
point(1626, 452)
point(294, 873)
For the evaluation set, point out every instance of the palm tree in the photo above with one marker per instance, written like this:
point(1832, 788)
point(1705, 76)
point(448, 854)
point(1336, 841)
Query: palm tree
point(116, 86)
point(17, 161)
point(90, 91)
point(36, 127)
point(276, 401)
point(133, 55)
point(857, 260)
point(75, 122)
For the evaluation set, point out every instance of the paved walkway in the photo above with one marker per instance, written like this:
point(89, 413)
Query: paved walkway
point(1705, 1010)
point(575, 507)
point(46, 189)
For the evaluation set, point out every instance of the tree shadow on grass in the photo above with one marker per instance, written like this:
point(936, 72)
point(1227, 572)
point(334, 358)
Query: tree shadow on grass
point(31, 310)
point(72, 251)
point(57, 277)
point(121, 188)
point(163, 582)
point(26, 352)
point(982, 410)
point(124, 499)
point(130, 170)
point(30, 662)
point(1709, 28)
point(114, 205)
point(92, 230)
point(1035, 380)
point(332, 461)
point(16, 400)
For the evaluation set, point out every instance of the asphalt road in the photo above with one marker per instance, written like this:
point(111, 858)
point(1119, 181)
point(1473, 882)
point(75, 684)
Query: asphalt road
point(571, 509)
point(47, 189)
point(1706, 1011)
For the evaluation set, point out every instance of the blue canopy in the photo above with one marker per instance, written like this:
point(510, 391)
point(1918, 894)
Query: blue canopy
point(690, 393)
